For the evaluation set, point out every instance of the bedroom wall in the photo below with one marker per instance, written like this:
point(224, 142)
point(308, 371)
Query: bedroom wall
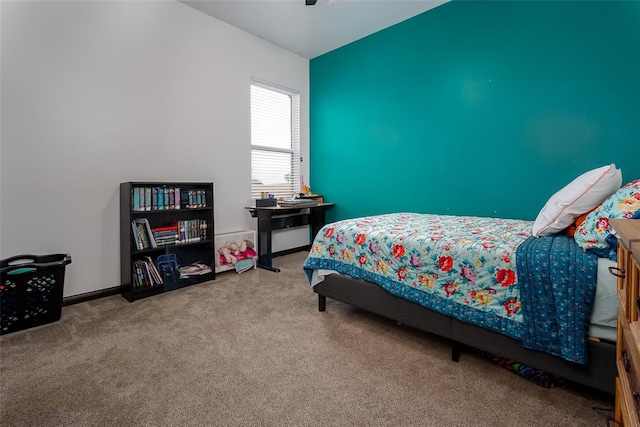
point(477, 108)
point(98, 93)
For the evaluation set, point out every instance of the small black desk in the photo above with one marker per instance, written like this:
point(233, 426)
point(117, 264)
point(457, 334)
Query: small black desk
point(276, 218)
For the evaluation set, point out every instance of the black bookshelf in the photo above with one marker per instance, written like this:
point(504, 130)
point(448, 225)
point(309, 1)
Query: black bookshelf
point(147, 208)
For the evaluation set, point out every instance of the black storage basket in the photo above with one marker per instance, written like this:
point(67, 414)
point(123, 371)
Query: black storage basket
point(31, 289)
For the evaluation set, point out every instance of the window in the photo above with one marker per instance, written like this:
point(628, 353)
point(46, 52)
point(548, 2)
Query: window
point(275, 140)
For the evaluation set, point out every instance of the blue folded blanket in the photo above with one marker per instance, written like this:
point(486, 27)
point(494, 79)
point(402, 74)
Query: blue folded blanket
point(557, 281)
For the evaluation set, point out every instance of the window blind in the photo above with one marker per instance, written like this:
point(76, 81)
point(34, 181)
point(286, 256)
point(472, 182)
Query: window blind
point(275, 140)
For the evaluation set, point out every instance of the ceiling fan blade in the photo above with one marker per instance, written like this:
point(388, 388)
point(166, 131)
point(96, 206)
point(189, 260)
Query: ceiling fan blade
point(310, 2)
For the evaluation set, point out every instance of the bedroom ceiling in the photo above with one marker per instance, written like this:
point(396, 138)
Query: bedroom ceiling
point(310, 31)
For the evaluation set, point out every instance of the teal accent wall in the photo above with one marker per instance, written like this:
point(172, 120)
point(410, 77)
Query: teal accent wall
point(477, 108)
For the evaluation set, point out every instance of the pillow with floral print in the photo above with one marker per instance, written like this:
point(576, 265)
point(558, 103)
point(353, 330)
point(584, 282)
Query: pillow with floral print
point(595, 234)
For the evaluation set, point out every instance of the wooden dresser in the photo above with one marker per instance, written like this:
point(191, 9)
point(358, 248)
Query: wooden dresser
point(627, 402)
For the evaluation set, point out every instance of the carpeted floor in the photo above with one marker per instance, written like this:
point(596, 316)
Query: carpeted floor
point(252, 349)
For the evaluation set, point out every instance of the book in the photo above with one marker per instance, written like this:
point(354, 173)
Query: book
point(142, 234)
point(172, 227)
point(181, 232)
point(154, 271)
point(136, 199)
point(146, 274)
point(204, 198)
point(143, 206)
point(203, 229)
point(184, 198)
point(148, 232)
point(172, 198)
point(154, 199)
point(147, 198)
point(138, 280)
point(195, 269)
point(136, 236)
point(160, 199)
point(298, 203)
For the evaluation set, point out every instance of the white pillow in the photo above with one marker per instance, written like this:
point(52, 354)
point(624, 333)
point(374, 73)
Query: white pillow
point(581, 195)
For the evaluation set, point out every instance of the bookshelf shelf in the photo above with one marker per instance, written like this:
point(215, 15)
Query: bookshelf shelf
point(166, 236)
point(162, 212)
point(163, 248)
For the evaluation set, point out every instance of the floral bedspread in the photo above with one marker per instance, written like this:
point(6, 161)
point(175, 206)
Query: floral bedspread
point(460, 266)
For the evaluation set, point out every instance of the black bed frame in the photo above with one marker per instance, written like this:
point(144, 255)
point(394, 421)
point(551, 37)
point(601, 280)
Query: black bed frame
point(599, 374)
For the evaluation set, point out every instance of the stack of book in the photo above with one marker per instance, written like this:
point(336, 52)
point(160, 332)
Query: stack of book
point(192, 230)
point(145, 274)
point(166, 235)
point(142, 234)
point(166, 198)
point(193, 198)
point(182, 231)
point(196, 269)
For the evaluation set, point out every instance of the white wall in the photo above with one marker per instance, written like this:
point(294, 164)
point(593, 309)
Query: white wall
point(98, 93)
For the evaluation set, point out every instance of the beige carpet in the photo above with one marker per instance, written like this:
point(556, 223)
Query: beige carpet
point(252, 349)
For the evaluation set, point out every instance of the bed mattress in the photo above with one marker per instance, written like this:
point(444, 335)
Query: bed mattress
point(605, 306)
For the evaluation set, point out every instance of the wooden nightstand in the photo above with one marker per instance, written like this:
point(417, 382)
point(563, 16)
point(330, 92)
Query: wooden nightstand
point(627, 402)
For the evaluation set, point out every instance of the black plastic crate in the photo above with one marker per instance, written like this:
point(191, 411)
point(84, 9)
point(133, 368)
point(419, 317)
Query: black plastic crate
point(31, 289)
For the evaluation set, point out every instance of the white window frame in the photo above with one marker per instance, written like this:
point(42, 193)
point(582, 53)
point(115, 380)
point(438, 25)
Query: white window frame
point(278, 189)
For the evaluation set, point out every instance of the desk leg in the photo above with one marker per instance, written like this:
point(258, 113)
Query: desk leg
point(264, 241)
point(318, 220)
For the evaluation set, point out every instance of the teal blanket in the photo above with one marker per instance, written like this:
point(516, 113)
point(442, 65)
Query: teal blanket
point(557, 282)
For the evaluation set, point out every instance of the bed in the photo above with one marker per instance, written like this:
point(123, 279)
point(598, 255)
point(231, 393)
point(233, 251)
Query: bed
point(486, 283)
